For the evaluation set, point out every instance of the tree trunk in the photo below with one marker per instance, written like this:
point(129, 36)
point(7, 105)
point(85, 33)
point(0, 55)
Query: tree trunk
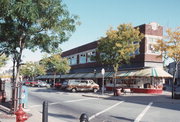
point(16, 83)
point(174, 78)
point(14, 89)
point(114, 77)
point(54, 79)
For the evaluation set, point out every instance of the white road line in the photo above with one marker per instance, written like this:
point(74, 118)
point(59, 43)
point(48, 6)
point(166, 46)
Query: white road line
point(69, 101)
point(34, 106)
point(97, 114)
point(143, 112)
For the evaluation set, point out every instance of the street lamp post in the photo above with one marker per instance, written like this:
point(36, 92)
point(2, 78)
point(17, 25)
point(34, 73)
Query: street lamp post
point(103, 72)
point(95, 75)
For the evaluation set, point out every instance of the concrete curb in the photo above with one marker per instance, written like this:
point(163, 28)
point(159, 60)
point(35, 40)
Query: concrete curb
point(110, 97)
point(5, 109)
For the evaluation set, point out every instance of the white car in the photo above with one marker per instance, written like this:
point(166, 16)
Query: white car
point(42, 84)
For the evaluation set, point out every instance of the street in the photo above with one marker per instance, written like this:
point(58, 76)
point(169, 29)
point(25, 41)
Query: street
point(67, 106)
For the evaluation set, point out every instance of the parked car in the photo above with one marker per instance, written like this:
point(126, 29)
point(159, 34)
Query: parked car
point(177, 92)
point(34, 83)
point(31, 83)
point(42, 84)
point(27, 83)
point(58, 85)
point(80, 85)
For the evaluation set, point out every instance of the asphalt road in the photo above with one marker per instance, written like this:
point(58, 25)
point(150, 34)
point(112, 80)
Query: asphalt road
point(67, 107)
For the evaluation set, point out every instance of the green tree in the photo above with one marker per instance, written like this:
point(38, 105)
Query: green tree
point(33, 24)
point(3, 60)
point(31, 69)
point(170, 48)
point(56, 64)
point(119, 46)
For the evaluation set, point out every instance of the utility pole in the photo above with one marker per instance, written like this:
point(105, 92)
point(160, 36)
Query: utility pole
point(102, 72)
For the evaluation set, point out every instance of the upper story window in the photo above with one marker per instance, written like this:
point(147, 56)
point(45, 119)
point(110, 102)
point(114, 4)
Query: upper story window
point(69, 60)
point(90, 55)
point(151, 41)
point(72, 60)
point(137, 50)
point(82, 58)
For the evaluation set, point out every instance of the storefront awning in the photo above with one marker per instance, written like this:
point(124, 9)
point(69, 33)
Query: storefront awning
point(148, 72)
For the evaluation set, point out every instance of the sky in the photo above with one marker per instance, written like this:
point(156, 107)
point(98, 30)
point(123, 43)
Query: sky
point(97, 16)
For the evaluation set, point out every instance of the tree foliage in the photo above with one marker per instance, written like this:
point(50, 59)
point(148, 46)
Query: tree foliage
point(3, 60)
point(170, 48)
point(56, 64)
point(31, 69)
point(170, 45)
point(119, 45)
point(33, 24)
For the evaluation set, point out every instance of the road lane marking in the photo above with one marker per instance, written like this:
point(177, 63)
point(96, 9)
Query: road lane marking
point(69, 101)
point(34, 106)
point(143, 112)
point(103, 111)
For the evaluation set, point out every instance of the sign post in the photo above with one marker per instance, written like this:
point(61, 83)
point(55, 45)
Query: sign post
point(103, 72)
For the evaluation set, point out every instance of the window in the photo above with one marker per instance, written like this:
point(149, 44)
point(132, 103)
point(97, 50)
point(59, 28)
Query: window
point(89, 56)
point(82, 58)
point(69, 60)
point(72, 60)
point(151, 41)
point(137, 50)
point(151, 48)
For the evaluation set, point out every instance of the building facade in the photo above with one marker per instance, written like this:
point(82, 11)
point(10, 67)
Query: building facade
point(83, 67)
point(80, 61)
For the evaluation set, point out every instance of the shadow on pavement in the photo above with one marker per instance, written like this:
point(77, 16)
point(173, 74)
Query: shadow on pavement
point(123, 118)
point(159, 100)
point(62, 116)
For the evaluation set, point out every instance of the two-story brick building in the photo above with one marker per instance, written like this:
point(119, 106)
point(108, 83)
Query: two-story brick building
point(82, 66)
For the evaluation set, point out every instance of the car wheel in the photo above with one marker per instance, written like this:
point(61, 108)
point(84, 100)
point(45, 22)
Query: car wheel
point(95, 90)
point(73, 90)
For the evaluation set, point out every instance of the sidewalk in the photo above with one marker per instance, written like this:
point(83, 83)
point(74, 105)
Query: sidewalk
point(5, 115)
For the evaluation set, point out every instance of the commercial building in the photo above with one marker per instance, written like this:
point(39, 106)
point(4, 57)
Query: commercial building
point(82, 66)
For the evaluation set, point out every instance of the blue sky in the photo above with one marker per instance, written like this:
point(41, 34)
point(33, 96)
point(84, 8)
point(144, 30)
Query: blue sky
point(97, 16)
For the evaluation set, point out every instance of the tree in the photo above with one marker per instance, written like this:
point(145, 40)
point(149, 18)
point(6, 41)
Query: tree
point(31, 69)
point(119, 46)
point(56, 64)
point(33, 24)
point(3, 60)
point(170, 48)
